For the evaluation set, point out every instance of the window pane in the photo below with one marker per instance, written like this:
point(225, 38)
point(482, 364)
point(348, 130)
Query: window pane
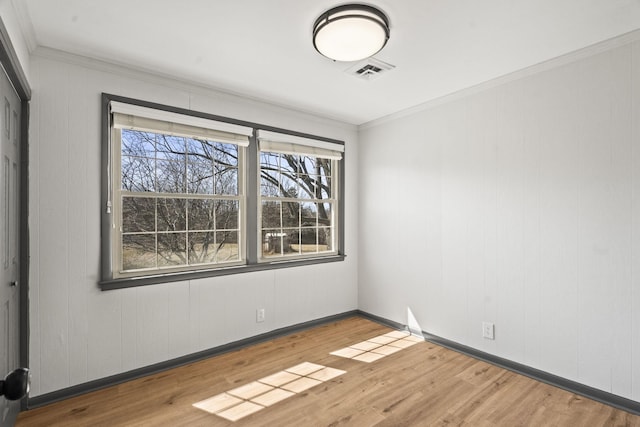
point(307, 165)
point(138, 174)
point(138, 251)
point(172, 249)
point(200, 178)
point(275, 243)
point(308, 240)
point(140, 144)
point(228, 249)
point(324, 214)
point(271, 214)
point(309, 214)
point(202, 248)
point(307, 186)
point(289, 164)
point(290, 214)
point(170, 147)
point(172, 215)
point(294, 237)
point(199, 151)
point(269, 174)
point(325, 187)
point(269, 184)
point(288, 186)
point(226, 168)
point(226, 180)
point(325, 239)
point(201, 214)
point(226, 154)
point(170, 176)
point(138, 214)
point(227, 214)
point(269, 161)
point(325, 178)
point(324, 166)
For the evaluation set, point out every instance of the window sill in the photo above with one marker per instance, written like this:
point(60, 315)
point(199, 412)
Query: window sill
point(130, 282)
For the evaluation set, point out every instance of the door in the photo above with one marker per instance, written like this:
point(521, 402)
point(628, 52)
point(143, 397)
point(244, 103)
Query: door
point(10, 109)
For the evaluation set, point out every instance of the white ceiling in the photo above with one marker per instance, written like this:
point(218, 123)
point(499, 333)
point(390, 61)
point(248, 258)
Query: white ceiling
point(263, 49)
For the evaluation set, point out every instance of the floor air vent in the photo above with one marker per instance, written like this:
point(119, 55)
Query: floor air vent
point(369, 69)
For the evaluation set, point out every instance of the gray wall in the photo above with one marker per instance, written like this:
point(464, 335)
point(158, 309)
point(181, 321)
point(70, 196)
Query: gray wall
point(516, 203)
point(79, 333)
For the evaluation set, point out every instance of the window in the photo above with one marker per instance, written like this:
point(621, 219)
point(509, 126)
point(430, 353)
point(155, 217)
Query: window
point(192, 195)
point(178, 192)
point(298, 197)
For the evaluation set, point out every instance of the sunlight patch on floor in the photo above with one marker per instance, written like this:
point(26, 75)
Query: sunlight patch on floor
point(378, 347)
point(252, 397)
point(247, 399)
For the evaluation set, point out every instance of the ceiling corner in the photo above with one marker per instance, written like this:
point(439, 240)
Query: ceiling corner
point(26, 25)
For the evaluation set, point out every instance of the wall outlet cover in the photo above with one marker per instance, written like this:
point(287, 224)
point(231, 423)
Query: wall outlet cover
point(488, 330)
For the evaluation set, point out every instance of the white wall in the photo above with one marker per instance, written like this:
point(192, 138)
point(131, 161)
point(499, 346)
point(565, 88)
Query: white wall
point(516, 203)
point(79, 333)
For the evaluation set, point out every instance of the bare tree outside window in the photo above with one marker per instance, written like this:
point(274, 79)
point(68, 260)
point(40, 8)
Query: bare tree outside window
point(180, 201)
point(297, 204)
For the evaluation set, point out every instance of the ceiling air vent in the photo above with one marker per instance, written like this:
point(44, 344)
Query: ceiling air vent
point(369, 69)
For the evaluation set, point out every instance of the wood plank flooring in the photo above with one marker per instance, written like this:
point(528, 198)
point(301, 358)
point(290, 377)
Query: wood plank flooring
point(423, 385)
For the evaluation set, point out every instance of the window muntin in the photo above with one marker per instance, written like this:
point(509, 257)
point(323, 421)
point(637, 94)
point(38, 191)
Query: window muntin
point(179, 202)
point(297, 205)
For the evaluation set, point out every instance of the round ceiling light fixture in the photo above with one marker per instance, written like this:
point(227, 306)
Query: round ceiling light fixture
point(351, 32)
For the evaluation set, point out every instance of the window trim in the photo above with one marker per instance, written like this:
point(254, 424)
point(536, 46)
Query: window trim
point(251, 242)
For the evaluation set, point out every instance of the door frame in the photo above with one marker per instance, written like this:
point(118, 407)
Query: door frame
point(11, 63)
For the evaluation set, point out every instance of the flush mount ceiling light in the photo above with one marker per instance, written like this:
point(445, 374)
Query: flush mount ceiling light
point(351, 32)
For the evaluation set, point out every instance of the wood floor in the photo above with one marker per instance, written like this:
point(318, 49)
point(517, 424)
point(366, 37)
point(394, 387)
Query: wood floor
point(423, 385)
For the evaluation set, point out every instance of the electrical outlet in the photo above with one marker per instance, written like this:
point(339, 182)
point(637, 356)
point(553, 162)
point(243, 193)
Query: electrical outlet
point(488, 330)
point(260, 315)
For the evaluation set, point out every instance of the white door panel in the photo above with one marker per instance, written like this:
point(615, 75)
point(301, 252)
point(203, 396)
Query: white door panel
point(9, 238)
